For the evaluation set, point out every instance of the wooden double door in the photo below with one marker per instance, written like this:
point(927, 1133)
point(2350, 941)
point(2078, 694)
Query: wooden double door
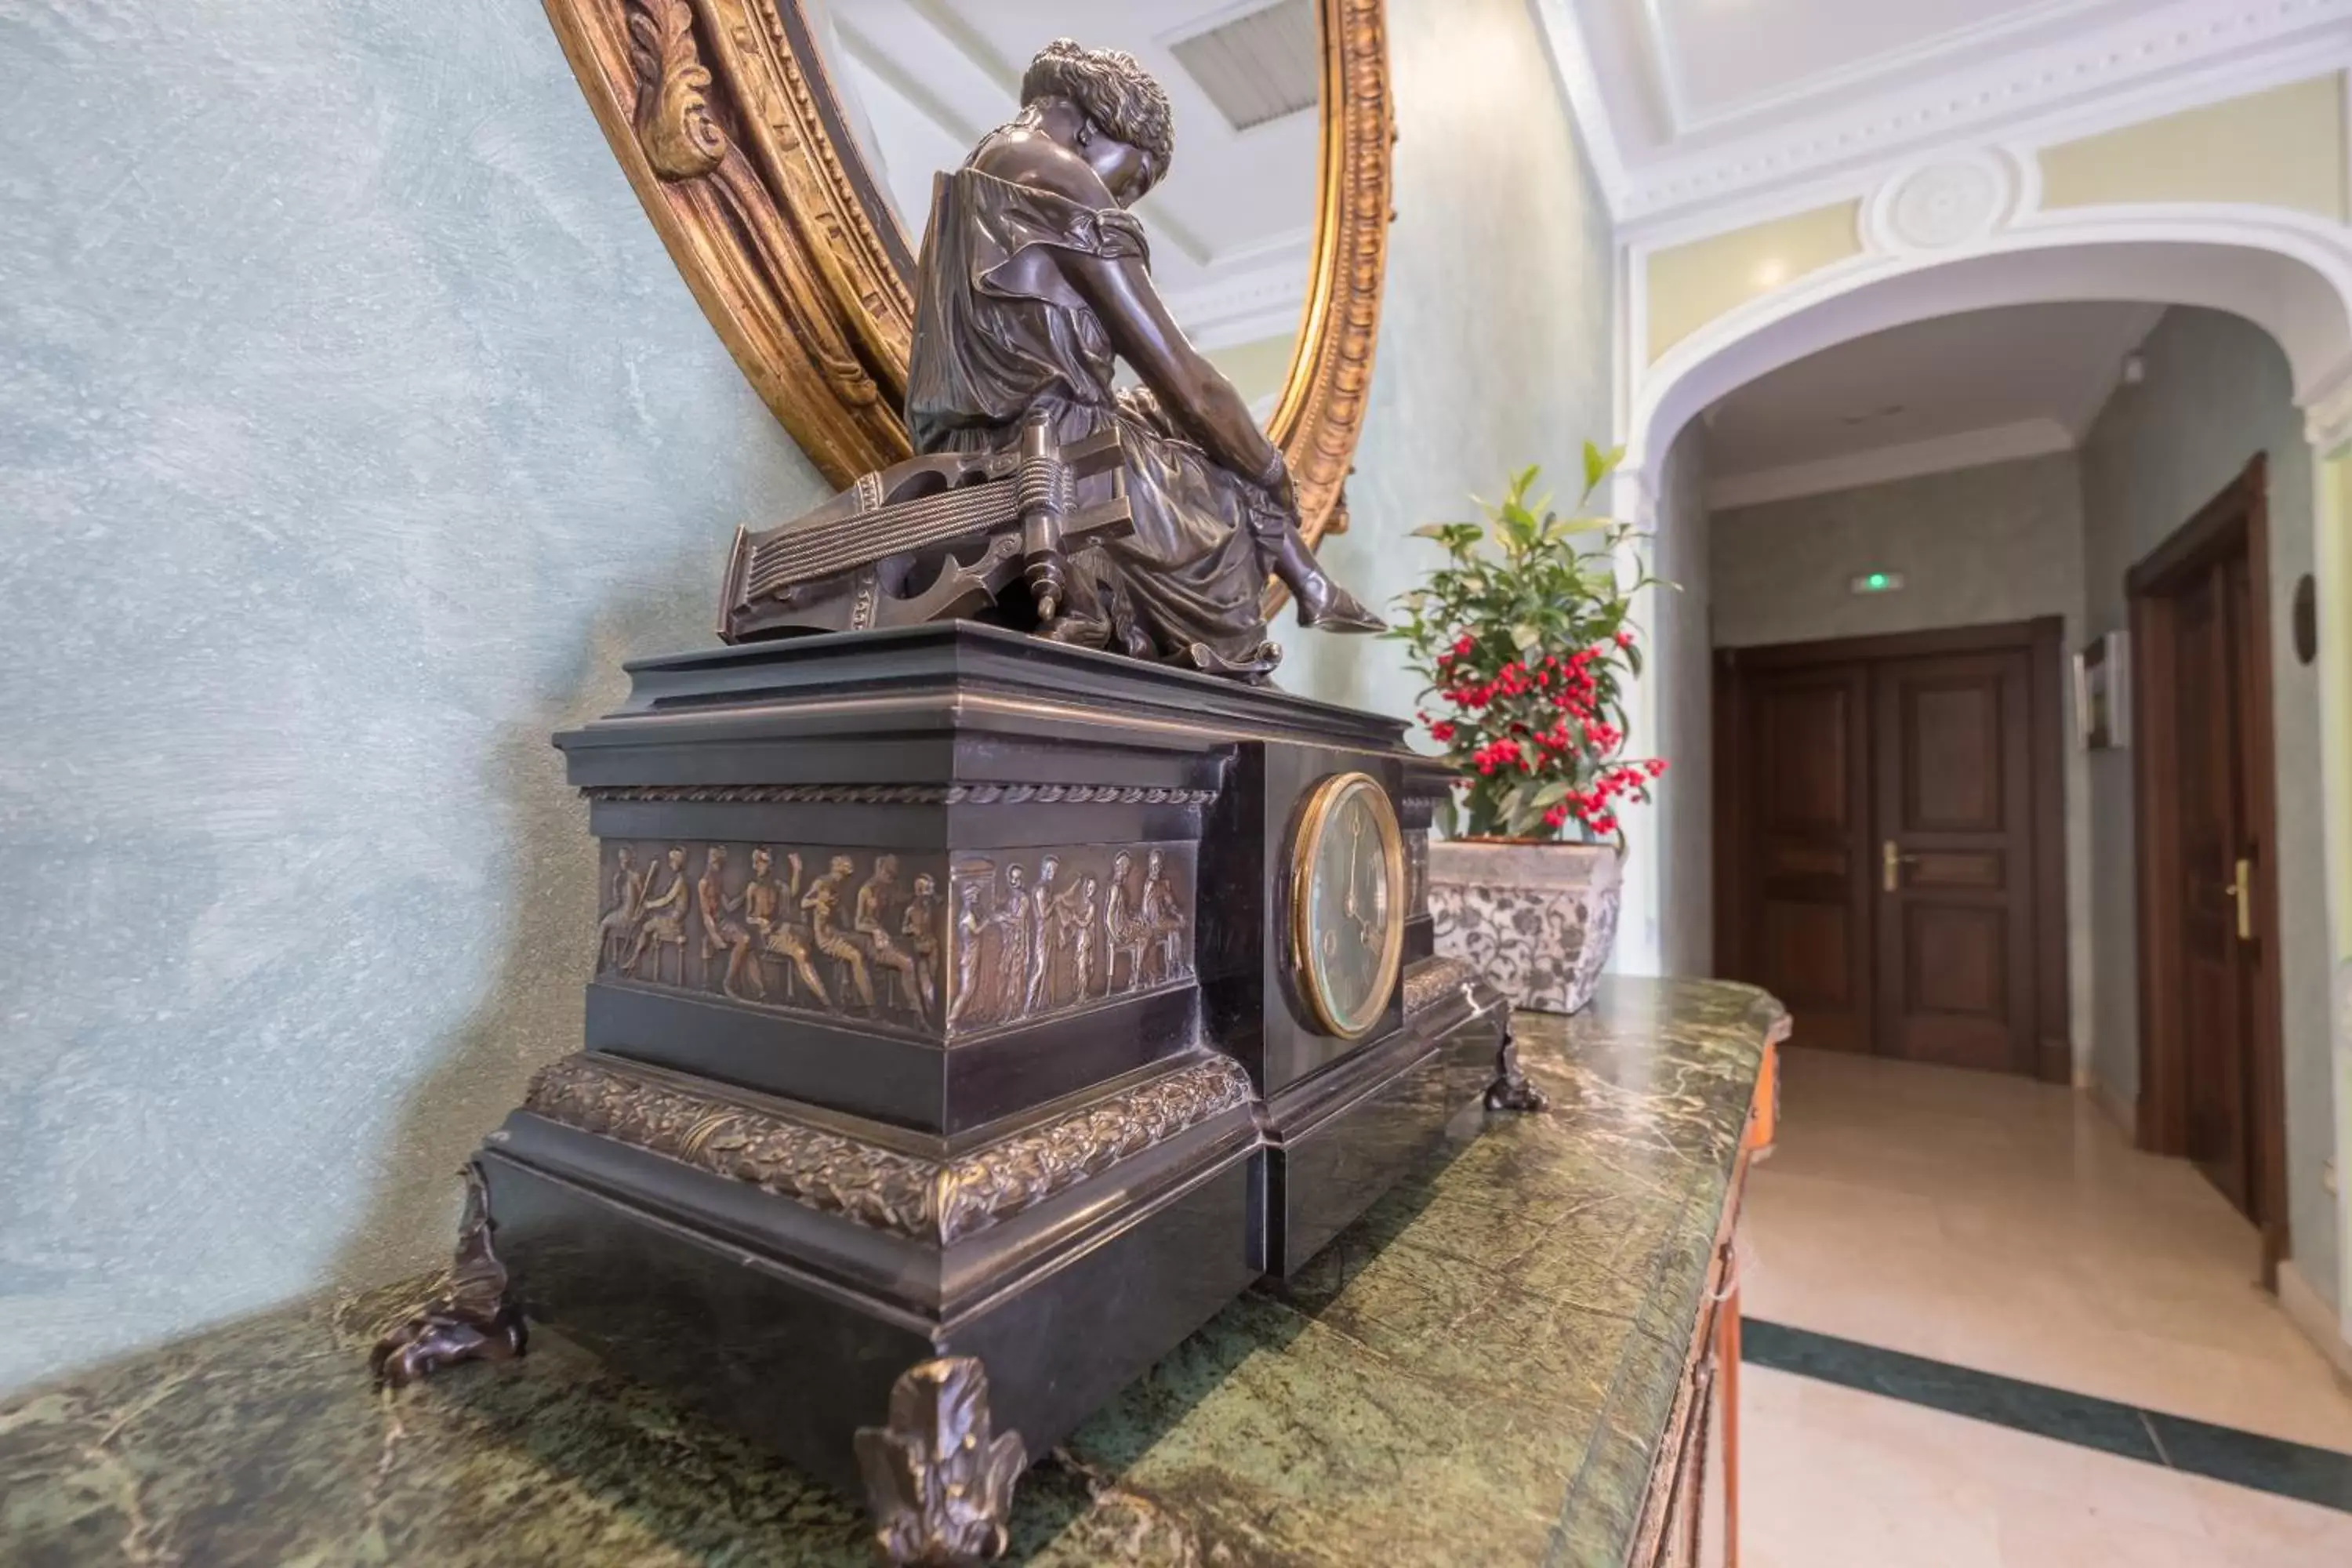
point(1889, 847)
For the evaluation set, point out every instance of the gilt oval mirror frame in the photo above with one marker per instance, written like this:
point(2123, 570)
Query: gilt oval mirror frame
point(734, 135)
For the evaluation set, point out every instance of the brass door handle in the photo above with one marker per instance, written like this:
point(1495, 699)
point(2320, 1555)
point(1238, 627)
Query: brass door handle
point(1891, 861)
point(2242, 893)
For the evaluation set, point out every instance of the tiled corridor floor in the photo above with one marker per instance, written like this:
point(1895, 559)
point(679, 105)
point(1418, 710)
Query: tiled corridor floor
point(2008, 1226)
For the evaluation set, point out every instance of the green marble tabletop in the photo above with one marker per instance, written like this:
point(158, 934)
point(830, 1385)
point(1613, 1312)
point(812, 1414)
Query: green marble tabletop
point(1479, 1372)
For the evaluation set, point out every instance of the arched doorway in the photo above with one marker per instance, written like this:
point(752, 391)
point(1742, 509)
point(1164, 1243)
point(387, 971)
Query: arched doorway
point(2289, 275)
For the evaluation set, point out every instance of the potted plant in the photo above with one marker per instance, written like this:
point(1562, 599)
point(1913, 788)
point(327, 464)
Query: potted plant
point(1522, 636)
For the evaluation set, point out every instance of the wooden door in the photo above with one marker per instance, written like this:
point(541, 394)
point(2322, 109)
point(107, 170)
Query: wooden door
point(1813, 846)
point(2209, 615)
point(1955, 844)
point(2212, 1069)
point(1943, 747)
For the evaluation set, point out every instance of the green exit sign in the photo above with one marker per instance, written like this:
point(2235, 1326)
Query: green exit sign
point(1877, 582)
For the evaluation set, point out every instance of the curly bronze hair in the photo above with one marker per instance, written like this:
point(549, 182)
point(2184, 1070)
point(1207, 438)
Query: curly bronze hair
point(1115, 92)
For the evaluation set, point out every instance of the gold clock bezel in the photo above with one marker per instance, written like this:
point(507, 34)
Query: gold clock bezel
point(1315, 818)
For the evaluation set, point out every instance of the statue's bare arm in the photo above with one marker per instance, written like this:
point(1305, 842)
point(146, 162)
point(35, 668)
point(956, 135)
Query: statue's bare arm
point(1194, 391)
point(1122, 295)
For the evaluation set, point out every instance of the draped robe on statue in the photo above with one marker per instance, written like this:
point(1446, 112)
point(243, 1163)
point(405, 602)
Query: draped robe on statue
point(991, 346)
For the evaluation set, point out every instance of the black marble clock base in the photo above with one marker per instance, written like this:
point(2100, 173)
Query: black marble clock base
point(948, 1057)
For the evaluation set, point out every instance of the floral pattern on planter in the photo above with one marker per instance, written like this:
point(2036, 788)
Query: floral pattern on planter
point(1537, 919)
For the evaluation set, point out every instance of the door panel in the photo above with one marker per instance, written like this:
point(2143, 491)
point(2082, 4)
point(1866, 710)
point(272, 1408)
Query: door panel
point(1952, 753)
point(1810, 917)
point(2213, 990)
point(1955, 959)
point(2211, 1054)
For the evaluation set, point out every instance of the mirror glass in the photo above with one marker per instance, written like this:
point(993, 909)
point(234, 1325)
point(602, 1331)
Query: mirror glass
point(1232, 224)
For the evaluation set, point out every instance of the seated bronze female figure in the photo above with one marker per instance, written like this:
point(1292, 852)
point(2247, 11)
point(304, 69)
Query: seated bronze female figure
point(1035, 282)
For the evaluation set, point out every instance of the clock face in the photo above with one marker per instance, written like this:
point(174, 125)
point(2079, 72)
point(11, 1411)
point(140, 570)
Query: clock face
point(1347, 903)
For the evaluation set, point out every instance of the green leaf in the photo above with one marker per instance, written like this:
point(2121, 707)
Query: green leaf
point(1433, 531)
point(1552, 795)
point(1525, 636)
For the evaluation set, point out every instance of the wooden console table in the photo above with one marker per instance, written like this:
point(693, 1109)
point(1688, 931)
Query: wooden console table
point(1512, 1358)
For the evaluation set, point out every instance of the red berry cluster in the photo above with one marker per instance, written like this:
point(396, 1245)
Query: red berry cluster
point(1543, 716)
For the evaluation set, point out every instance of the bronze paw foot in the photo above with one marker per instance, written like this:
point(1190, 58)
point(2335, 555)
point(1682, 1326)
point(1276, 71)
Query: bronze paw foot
point(940, 1485)
point(1511, 1090)
point(472, 1321)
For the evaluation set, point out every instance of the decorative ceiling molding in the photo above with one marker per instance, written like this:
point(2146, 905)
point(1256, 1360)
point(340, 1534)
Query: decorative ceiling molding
point(2158, 60)
point(2328, 417)
point(2289, 273)
point(1948, 200)
point(1851, 76)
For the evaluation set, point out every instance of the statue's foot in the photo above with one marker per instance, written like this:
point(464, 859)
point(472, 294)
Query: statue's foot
point(1326, 606)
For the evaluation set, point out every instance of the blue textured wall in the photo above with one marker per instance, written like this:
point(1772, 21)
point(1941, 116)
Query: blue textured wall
point(353, 426)
point(341, 367)
point(1495, 327)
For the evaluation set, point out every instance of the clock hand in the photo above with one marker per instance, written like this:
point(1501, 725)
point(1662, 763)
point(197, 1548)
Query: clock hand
point(1355, 843)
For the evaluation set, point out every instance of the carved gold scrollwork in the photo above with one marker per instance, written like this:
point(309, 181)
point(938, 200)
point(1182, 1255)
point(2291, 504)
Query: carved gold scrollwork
point(790, 244)
point(673, 120)
point(1322, 409)
point(745, 238)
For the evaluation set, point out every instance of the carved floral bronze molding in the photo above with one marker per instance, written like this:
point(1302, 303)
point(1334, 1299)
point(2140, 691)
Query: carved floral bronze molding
point(731, 132)
point(883, 1189)
point(1430, 979)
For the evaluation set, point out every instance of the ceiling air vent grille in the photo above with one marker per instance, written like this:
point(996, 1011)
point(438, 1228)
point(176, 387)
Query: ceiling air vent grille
point(1258, 67)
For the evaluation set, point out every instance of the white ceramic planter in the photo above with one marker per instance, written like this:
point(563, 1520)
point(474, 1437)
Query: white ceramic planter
point(1537, 920)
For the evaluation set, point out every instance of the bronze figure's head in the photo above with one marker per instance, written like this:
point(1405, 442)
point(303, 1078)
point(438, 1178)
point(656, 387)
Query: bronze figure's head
point(1130, 137)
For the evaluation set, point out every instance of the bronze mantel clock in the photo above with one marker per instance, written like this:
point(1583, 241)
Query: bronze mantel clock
point(1347, 903)
point(984, 948)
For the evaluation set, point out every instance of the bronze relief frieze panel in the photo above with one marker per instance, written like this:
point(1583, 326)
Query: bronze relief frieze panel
point(944, 943)
point(884, 1189)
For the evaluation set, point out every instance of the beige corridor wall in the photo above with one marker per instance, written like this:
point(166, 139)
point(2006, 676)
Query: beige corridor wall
point(2217, 393)
point(1975, 546)
point(1682, 671)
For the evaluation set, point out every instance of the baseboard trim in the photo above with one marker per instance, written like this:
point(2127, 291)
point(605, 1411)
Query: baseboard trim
point(2310, 1312)
point(2123, 1113)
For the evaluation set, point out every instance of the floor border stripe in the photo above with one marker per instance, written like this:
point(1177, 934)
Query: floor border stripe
point(2297, 1470)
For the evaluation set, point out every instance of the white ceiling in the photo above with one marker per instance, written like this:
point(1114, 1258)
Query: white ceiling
point(1231, 225)
point(1982, 386)
point(1690, 103)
